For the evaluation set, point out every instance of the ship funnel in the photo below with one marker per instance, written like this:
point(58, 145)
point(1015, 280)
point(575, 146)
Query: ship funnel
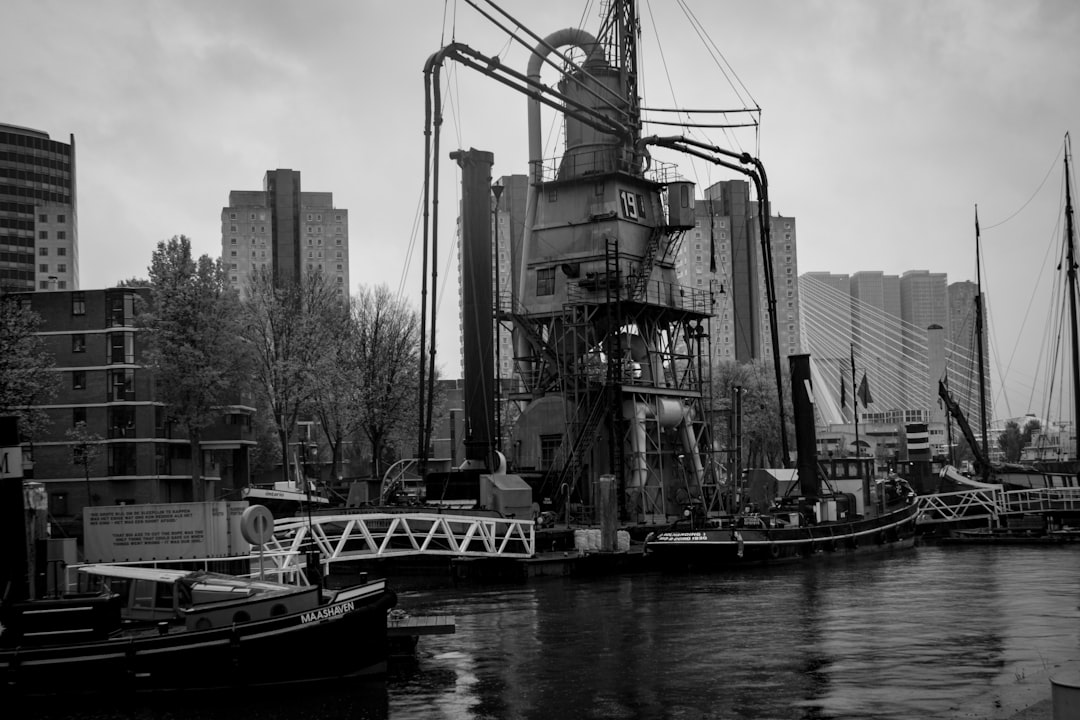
point(802, 403)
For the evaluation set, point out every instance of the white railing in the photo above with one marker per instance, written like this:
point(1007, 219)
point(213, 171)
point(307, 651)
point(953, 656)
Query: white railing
point(384, 535)
point(994, 502)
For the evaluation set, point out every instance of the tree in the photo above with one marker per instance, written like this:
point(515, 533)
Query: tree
point(27, 376)
point(85, 450)
point(288, 327)
point(1013, 439)
point(192, 341)
point(1009, 442)
point(387, 351)
point(335, 393)
point(761, 441)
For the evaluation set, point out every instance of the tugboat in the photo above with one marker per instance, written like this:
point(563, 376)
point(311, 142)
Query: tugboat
point(832, 514)
point(150, 630)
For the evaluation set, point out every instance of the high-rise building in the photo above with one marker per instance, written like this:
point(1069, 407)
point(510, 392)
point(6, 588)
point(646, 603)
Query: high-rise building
point(39, 247)
point(722, 255)
point(284, 229)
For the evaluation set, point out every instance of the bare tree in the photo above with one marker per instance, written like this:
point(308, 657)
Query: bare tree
point(761, 432)
point(387, 353)
point(335, 393)
point(85, 451)
point(192, 341)
point(289, 326)
point(27, 376)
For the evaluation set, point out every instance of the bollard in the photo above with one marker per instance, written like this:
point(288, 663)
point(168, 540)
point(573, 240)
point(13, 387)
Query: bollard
point(1065, 694)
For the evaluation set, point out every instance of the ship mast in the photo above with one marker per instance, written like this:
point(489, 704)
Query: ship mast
point(1071, 274)
point(979, 341)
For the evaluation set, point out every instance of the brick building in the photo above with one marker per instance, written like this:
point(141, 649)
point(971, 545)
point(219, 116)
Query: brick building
point(97, 352)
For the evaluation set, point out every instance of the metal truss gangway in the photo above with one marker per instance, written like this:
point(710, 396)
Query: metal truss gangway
point(992, 502)
point(378, 535)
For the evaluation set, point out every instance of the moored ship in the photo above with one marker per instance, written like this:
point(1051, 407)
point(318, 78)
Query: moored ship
point(827, 514)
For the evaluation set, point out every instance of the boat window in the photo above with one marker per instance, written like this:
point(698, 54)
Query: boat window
point(241, 617)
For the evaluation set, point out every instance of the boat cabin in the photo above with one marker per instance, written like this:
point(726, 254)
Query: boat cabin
point(196, 599)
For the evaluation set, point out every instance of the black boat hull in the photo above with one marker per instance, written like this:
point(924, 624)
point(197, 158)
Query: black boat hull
point(345, 639)
point(746, 547)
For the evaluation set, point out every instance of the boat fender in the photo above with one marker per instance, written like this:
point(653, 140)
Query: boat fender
point(774, 551)
point(737, 537)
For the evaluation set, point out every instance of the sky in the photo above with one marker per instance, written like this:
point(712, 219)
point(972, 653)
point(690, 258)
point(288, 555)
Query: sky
point(884, 124)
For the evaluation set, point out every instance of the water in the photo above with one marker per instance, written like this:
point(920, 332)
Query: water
point(936, 632)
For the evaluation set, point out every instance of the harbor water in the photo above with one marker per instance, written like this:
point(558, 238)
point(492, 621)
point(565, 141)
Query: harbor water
point(933, 632)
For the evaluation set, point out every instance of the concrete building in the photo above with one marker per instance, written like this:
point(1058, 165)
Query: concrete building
point(39, 246)
point(103, 383)
point(286, 230)
point(722, 254)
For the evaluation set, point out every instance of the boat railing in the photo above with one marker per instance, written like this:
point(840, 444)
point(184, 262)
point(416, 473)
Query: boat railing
point(278, 566)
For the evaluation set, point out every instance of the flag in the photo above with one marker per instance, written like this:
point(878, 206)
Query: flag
point(864, 392)
point(843, 390)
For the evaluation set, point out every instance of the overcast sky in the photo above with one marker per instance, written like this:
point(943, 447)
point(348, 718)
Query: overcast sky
point(884, 122)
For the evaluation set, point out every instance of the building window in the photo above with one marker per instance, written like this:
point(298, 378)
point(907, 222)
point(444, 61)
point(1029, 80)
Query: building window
point(232, 253)
point(43, 251)
point(78, 415)
point(121, 421)
point(121, 385)
point(78, 303)
point(121, 309)
point(549, 447)
point(78, 343)
point(43, 218)
point(61, 267)
point(43, 234)
point(61, 235)
point(122, 459)
point(78, 380)
point(232, 241)
point(545, 281)
point(43, 284)
point(61, 285)
point(122, 348)
point(61, 251)
point(43, 267)
point(232, 216)
point(337, 241)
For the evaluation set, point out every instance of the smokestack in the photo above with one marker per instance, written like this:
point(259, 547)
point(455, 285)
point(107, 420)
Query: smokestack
point(477, 309)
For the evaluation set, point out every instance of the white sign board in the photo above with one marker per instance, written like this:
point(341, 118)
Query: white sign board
point(11, 463)
point(169, 531)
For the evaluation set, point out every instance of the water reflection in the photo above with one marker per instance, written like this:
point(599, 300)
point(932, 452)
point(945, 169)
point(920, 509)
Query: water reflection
point(928, 633)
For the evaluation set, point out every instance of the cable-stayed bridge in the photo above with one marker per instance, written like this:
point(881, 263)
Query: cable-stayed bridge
point(901, 361)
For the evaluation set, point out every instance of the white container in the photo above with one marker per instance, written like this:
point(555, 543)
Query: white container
point(622, 540)
point(581, 541)
point(594, 539)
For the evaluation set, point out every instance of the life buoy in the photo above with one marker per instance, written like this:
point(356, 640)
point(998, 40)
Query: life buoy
point(774, 551)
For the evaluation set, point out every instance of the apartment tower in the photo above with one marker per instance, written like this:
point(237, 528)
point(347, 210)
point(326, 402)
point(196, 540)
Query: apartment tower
point(286, 230)
point(39, 248)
